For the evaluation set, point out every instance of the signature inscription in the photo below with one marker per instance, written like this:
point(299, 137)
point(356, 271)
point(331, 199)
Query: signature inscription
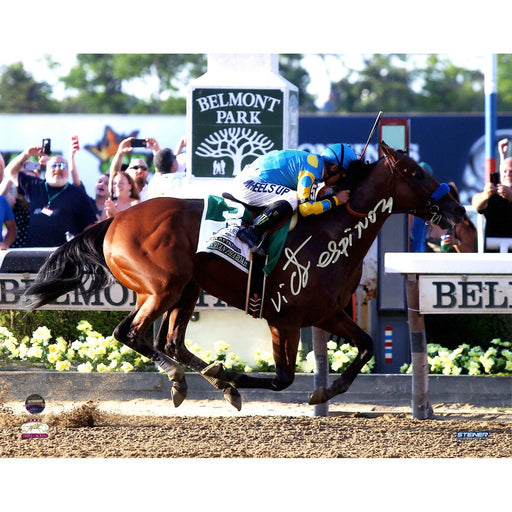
point(335, 250)
point(299, 277)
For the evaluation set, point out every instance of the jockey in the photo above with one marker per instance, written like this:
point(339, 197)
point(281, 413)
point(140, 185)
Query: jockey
point(285, 180)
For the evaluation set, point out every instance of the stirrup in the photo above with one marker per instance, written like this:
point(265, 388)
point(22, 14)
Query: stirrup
point(253, 242)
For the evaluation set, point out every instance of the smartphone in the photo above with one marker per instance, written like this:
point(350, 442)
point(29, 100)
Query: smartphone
point(138, 143)
point(495, 177)
point(32, 166)
point(47, 146)
point(75, 141)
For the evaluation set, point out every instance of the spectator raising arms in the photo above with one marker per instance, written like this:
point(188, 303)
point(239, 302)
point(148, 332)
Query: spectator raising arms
point(167, 179)
point(6, 217)
point(495, 202)
point(137, 168)
point(56, 206)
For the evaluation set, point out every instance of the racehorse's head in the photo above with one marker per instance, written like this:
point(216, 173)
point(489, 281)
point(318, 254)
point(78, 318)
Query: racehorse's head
point(417, 192)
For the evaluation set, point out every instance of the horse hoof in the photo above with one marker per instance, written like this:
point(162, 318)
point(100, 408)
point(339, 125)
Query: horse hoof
point(178, 393)
point(319, 396)
point(214, 370)
point(232, 396)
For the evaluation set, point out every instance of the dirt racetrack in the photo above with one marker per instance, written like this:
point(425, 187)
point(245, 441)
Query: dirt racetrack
point(95, 430)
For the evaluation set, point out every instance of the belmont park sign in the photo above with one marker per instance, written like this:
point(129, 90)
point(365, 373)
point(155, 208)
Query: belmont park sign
point(232, 127)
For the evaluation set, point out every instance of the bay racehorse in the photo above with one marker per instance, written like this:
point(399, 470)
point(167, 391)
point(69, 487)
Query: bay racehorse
point(151, 249)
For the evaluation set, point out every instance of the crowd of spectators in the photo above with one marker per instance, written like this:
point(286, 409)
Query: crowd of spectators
point(43, 201)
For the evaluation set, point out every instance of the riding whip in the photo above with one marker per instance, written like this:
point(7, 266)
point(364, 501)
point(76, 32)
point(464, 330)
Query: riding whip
point(379, 115)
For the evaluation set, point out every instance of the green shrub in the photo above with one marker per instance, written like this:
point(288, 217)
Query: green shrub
point(467, 360)
point(60, 323)
point(450, 331)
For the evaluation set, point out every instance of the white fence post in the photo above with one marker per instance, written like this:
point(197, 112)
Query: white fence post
point(420, 407)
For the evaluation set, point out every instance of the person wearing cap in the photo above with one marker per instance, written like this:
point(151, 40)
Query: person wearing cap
point(167, 179)
point(283, 181)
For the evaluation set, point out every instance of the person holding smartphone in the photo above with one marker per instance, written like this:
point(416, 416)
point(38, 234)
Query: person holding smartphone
point(138, 168)
point(56, 205)
point(495, 202)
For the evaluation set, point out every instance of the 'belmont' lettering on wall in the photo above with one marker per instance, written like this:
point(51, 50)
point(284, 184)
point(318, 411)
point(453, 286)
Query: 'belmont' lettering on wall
point(463, 294)
point(114, 297)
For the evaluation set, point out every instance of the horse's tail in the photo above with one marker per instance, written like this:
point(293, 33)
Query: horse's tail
point(78, 261)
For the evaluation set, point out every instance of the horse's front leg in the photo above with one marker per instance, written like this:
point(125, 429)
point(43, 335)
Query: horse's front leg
point(171, 339)
point(126, 333)
point(343, 326)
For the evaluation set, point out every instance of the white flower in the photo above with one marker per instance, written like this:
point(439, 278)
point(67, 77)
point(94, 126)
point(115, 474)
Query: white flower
point(52, 358)
point(221, 347)
point(35, 351)
point(474, 368)
point(332, 345)
point(76, 345)
point(85, 367)
point(126, 367)
point(62, 366)
point(41, 335)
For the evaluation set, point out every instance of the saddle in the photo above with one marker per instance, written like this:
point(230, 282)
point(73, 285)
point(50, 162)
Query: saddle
point(222, 218)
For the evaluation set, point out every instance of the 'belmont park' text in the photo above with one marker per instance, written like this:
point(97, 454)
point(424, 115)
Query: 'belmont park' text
point(241, 100)
point(465, 294)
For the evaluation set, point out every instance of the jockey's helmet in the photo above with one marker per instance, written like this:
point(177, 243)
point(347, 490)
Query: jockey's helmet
point(339, 154)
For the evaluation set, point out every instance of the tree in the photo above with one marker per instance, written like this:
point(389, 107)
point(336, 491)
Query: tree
point(20, 93)
point(383, 84)
point(403, 83)
point(504, 95)
point(101, 82)
point(449, 88)
point(290, 68)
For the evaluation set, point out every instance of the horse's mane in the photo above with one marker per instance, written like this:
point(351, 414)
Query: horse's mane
point(356, 173)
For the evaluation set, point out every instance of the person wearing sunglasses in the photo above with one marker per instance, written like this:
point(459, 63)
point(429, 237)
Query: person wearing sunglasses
point(57, 207)
point(137, 168)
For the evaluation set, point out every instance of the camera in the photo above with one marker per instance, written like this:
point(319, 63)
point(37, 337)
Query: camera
point(47, 146)
point(138, 143)
point(32, 166)
point(495, 177)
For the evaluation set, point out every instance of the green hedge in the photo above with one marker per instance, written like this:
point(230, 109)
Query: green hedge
point(450, 331)
point(61, 323)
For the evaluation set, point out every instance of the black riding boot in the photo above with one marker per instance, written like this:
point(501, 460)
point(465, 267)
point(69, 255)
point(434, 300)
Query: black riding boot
point(269, 219)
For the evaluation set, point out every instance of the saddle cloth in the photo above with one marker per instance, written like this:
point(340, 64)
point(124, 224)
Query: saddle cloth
point(220, 223)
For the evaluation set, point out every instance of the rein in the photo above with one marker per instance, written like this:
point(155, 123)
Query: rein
point(430, 204)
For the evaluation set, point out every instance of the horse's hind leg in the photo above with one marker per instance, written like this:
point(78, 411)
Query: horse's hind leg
point(124, 333)
point(171, 339)
point(342, 325)
point(285, 342)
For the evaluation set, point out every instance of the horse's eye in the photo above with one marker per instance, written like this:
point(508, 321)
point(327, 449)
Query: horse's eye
point(418, 174)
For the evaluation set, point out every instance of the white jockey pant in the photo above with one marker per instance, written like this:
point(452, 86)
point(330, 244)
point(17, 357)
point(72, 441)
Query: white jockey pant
point(249, 188)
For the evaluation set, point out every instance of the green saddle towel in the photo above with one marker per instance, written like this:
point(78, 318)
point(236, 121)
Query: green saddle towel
point(217, 234)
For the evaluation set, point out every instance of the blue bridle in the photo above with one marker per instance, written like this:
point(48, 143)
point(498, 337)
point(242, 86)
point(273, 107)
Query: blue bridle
point(440, 192)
